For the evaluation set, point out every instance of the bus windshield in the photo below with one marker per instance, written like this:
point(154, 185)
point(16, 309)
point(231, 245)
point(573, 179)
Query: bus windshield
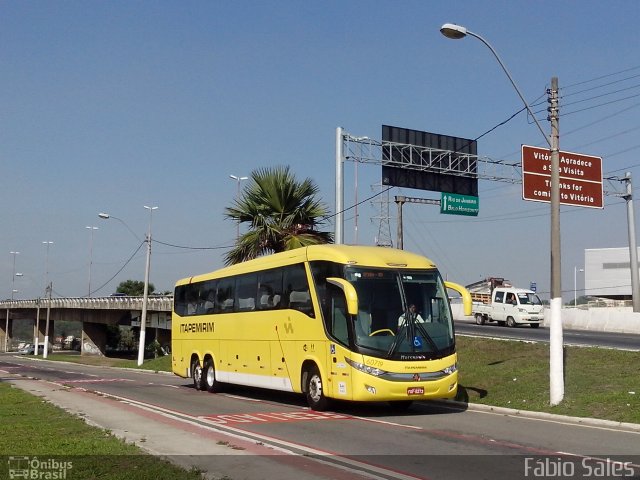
point(402, 314)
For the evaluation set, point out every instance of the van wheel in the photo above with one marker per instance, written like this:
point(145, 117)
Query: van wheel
point(314, 390)
point(479, 319)
point(511, 322)
point(196, 374)
point(209, 377)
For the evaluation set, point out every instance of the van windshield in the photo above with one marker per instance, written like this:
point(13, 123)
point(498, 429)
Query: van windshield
point(529, 299)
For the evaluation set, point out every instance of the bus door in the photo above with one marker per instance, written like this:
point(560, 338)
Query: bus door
point(337, 322)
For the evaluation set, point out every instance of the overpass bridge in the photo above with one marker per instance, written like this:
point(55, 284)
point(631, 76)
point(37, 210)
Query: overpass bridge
point(94, 313)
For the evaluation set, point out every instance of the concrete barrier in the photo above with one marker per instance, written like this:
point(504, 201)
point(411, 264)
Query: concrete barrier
point(597, 319)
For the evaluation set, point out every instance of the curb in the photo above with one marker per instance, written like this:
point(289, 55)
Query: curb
point(142, 370)
point(592, 422)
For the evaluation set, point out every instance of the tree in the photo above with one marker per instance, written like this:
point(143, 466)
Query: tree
point(282, 214)
point(133, 288)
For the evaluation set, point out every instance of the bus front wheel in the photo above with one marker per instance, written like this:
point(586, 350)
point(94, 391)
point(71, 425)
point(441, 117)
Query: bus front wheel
point(314, 390)
point(209, 377)
point(196, 374)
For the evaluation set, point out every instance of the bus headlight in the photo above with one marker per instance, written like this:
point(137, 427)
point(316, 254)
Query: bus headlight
point(376, 372)
point(449, 370)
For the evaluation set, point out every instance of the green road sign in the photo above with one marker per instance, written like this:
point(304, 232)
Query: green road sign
point(456, 204)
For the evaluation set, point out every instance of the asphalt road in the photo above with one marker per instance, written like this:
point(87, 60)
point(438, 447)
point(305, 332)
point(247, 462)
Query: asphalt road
point(584, 338)
point(256, 434)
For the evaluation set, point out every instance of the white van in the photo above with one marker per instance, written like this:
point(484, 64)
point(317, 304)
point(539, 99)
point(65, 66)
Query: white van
point(511, 306)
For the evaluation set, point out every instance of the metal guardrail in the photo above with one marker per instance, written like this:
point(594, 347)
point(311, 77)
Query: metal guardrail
point(162, 303)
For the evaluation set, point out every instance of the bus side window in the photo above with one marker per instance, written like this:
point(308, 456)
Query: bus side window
point(297, 289)
point(247, 286)
point(208, 296)
point(180, 303)
point(192, 299)
point(224, 298)
point(270, 289)
point(339, 324)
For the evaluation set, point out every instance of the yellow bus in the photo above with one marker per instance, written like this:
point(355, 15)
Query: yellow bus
point(355, 323)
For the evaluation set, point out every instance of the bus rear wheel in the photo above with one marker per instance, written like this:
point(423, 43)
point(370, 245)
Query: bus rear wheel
point(479, 319)
point(196, 374)
point(209, 377)
point(314, 390)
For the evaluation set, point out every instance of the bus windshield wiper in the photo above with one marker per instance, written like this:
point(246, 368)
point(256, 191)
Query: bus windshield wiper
point(424, 333)
point(397, 338)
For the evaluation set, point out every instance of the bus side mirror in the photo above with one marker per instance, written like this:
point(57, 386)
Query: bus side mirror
point(350, 294)
point(464, 293)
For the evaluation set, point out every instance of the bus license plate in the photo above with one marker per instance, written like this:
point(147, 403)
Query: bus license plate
point(415, 391)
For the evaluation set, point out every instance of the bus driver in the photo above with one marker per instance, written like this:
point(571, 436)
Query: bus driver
point(413, 315)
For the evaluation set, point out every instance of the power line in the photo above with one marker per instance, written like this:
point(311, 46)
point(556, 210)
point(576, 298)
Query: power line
point(118, 272)
point(572, 85)
point(189, 247)
point(601, 95)
point(599, 86)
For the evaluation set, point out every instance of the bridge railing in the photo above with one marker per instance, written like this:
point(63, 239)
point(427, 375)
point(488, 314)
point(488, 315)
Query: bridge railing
point(163, 303)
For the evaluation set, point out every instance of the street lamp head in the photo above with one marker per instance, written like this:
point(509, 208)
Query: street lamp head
point(150, 208)
point(104, 215)
point(453, 31)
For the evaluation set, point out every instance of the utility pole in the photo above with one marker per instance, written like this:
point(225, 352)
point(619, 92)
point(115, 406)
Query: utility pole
point(400, 240)
point(46, 325)
point(633, 249)
point(556, 348)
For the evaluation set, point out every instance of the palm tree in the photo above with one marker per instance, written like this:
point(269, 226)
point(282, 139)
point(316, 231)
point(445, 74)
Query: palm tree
point(283, 214)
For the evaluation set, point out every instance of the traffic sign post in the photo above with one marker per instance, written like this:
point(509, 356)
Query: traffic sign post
point(580, 177)
point(456, 204)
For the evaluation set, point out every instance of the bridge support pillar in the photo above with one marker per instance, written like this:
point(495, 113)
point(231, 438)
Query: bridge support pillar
point(6, 329)
point(94, 339)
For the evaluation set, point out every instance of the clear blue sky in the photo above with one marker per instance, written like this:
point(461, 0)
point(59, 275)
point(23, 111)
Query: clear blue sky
point(109, 106)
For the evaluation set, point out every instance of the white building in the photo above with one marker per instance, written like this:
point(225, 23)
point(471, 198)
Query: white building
point(607, 273)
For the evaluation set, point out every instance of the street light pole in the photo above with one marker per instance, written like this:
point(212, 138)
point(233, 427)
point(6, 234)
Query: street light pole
point(238, 179)
point(36, 341)
point(556, 360)
point(91, 229)
point(145, 297)
point(106, 216)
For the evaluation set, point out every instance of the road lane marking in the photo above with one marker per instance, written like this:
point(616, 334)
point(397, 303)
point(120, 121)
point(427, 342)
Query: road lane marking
point(274, 417)
point(283, 446)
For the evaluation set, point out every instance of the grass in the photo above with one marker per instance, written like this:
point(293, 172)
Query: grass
point(32, 427)
point(599, 383)
point(160, 364)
